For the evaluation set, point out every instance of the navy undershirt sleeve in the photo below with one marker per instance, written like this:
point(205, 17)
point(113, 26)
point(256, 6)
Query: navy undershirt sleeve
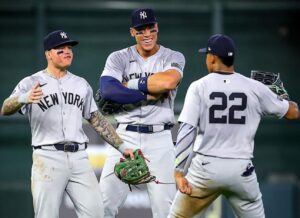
point(111, 89)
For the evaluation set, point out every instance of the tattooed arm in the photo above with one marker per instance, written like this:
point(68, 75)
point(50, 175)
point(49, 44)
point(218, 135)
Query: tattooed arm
point(104, 128)
point(13, 104)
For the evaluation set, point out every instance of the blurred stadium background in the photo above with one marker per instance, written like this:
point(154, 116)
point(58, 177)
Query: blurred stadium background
point(267, 37)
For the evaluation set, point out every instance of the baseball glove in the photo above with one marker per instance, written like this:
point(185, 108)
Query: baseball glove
point(272, 80)
point(133, 172)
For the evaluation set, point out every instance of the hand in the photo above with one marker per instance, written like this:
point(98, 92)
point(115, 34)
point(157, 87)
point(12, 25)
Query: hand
point(128, 152)
point(36, 94)
point(182, 183)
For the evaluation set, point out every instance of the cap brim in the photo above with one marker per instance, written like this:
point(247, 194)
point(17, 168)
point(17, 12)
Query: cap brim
point(70, 42)
point(144, 24)
point(202, 50)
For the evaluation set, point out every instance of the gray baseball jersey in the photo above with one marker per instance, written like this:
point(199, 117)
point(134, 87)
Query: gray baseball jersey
point(158, 147)
point(127, 64)
point(221, 104)
point(58, 116)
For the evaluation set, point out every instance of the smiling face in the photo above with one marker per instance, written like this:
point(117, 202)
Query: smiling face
point(60, 57)
point(146, 39)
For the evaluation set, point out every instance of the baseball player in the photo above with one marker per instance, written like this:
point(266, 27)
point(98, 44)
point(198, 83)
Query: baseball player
point(55, 101)
point(145, 73)
point(227, 108)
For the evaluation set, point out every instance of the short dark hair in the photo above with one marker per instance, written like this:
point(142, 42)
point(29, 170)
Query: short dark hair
point(228, 61)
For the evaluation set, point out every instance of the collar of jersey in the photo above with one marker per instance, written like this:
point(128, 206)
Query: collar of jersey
point(49, 75)
point(224, 73)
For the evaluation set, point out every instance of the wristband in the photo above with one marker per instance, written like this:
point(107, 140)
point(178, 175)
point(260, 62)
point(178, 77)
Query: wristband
point(143, 84)
point(133, 84)
point(24, 98)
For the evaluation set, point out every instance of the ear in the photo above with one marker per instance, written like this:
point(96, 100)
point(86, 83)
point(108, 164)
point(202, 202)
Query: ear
point(48, 55)
point(132, 32)
point(214, 59)
point(156, 25)
point(210, 58)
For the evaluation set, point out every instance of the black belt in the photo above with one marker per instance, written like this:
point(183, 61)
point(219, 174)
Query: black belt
point(63, 147)
point(146, 128)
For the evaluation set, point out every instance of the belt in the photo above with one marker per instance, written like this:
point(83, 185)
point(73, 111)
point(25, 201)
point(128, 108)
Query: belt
point(67, 147)
point(145, 128)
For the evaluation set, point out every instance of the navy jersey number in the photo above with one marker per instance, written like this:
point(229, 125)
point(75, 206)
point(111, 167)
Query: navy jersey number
point(223, 105)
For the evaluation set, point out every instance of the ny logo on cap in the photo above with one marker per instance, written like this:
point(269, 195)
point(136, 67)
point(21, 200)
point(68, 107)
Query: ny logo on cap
point(143, 15)
point(63, 35)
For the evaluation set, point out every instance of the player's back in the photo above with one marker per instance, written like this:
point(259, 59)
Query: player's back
point(230, 108)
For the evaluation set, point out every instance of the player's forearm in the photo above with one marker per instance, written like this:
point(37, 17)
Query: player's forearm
point(111, 89)
point(104, 128)
point(11, 106)
point(158, 83)
point(163, 82)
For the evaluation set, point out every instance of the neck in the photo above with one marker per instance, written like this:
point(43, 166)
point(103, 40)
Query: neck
point(224, 71)
point(145, 53)
point(56, 72)
point(223, 68)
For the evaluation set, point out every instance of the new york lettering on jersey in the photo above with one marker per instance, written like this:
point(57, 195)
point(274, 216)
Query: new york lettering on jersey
point(136, 75)
point(68, 98)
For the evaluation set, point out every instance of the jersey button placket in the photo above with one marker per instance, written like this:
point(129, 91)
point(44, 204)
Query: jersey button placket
point(60, 87)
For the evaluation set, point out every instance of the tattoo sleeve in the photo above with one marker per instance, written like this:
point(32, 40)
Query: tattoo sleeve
point(11, 106)
point(105, 129)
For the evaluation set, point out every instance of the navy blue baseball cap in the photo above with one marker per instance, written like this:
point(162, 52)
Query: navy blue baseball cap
point(219, 45)
point(58, 38)
point(142, 17)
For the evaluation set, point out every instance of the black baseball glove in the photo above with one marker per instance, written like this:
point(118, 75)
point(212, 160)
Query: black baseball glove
point(272, 80)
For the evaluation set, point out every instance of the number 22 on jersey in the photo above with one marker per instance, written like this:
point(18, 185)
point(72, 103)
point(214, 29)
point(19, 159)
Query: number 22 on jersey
point(229, 118)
